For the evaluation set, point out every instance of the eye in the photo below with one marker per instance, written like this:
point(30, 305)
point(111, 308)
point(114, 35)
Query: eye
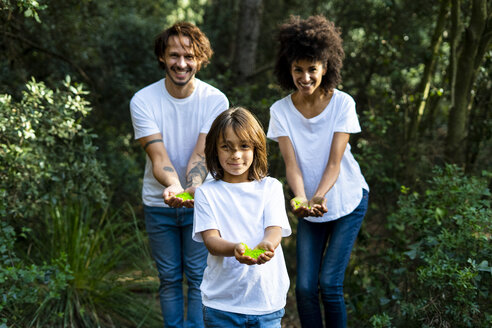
point(190, 57)
point(245, 146)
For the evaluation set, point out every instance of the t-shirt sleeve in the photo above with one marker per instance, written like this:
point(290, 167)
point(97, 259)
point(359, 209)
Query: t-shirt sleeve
point(218, 107)
point(274, 213)
point(275, 126)
point(143, 124)
point(347, 120)
point(203, 218)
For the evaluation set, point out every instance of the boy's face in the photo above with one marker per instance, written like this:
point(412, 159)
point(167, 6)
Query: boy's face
point(180, 60)
point(235, 157)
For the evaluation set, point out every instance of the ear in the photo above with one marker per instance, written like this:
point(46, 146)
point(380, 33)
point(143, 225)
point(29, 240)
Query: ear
point(324, 69)
point(162, 60)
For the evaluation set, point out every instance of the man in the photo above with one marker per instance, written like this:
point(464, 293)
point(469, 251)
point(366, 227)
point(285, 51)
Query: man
point(171, 118)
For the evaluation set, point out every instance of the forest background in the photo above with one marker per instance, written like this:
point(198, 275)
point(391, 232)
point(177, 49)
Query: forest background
point(73, 250)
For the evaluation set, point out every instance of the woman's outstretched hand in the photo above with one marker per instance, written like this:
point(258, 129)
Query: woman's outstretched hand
point(300, 207)
point(318, 206)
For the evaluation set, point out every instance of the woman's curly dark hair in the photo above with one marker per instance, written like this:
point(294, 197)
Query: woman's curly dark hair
point(315, 39)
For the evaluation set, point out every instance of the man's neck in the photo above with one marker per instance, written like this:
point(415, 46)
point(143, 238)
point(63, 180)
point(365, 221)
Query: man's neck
point(180, 91)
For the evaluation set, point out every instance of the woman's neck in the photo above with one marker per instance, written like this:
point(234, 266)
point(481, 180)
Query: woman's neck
point(312, 105)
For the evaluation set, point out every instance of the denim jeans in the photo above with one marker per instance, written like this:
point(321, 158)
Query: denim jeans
point(335, 240)
point(175, 253)
point(221, 319)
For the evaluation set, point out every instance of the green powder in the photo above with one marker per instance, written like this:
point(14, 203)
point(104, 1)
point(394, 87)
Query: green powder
point(298, 203)
point(185, 196)
point(253, 253)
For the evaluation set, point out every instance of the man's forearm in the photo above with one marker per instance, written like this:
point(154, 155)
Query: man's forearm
point(197, 171)
point(165, 174)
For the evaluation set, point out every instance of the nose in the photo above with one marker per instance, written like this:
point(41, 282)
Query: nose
point(181, 62)
point(305, 77)
point(236, 154)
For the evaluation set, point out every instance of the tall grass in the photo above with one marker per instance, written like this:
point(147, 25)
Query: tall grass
point(98, 246)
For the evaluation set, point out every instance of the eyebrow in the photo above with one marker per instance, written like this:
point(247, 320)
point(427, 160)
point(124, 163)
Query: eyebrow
point(178, 53)
point(299, 66)
point(244, 141)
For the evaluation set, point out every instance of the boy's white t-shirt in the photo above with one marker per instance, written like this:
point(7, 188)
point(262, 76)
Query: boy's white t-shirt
point(241, 212)
point(311, 139)
point(180, 121)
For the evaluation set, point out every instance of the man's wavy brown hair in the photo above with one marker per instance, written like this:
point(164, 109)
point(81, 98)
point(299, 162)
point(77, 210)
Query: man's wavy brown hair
point(199, 43)
point(248, 129)
point(314, 39)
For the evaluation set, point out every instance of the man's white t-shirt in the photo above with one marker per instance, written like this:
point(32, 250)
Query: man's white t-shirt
point(180, 121)
point(241, 212)
point(311, 139)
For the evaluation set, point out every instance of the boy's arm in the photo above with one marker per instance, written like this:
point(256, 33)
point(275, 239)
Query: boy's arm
point(218, 246)
point(271, 240)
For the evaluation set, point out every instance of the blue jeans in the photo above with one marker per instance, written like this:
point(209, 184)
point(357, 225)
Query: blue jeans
point(175, 253)
point(326, 271)
point(221, 319)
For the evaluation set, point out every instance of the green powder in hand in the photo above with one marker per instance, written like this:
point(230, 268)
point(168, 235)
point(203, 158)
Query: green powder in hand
point(253, 253)
point(185, 196)
point(298, 203)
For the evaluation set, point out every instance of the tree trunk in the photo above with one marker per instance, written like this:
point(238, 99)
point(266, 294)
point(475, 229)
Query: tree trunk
point(244, 62)
point(476, 37)
point(425, 83)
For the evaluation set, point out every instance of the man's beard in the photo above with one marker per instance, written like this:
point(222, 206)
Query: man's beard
point(169, 74)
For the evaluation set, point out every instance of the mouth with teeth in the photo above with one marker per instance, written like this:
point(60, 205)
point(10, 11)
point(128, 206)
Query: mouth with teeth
point(305, 86)
point(180, 72)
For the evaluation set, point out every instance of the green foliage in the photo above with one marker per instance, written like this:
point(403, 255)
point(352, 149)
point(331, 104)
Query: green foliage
point(24, 286)
point(95, 244)
point(380, 321)
point(46, 154)
point(29, 8)
point(436, 259)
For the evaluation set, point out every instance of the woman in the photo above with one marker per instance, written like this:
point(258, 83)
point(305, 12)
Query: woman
point(312, 126)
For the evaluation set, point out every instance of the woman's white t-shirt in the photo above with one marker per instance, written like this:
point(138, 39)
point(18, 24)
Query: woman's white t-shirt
point(311, 139)
point(180, 121)
point(241, 212)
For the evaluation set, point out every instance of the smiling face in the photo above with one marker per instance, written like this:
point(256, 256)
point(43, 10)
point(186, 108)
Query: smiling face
point(180, 61)
point(235, 156)
point(307, 75)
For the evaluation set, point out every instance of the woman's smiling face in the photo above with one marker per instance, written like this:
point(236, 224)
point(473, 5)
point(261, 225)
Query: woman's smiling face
point(307, 75)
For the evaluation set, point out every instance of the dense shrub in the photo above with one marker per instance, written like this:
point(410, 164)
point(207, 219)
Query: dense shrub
point(434, 268)
point(46, 155)
point(24, 286)
point(63, 250)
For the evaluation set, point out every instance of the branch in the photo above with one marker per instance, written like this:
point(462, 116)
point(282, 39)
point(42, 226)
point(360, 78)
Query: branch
point(485, 41)
point(51, 53)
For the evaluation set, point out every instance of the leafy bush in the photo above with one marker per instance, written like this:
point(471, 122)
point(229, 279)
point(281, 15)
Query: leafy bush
point(23, 286)
point(436, 258)
point(52, 182)
point(88, 285)
point(46, 155)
